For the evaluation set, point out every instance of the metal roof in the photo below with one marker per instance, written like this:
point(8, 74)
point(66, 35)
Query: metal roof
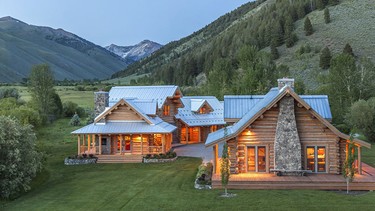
point(191, 118)
point(157, 93)
point(236, 106)
point(125, 128)
point(196, 104)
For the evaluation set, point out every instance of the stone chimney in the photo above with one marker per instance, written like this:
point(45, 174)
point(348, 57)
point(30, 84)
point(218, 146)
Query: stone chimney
point(101, 101)
point(285, 81)
point(287, 143)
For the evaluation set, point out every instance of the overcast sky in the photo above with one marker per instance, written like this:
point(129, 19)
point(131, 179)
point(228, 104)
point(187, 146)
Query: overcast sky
point(122, 22)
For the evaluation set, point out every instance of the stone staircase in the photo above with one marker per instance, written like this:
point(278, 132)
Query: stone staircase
point(119, 158)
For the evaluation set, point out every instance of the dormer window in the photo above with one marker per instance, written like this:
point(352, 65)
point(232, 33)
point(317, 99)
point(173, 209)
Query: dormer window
point(203, 110)
point(166, 110)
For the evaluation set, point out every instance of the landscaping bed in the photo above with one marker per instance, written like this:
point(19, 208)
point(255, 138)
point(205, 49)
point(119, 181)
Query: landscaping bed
point(160, 158)
point(80, 159)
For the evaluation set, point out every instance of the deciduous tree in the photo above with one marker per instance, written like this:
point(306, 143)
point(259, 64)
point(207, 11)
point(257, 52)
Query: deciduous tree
point(348, 170)
point(19, 159)
point(225, 168)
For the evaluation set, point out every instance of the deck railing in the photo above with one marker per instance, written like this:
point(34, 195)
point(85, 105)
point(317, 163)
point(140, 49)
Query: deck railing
point(155, 149)
point(89, 150)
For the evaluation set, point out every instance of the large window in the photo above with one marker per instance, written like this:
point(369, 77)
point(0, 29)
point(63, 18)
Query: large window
point(256, 159)
point(316, 158)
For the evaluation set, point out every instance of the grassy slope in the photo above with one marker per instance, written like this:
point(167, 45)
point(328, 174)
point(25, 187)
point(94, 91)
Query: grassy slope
point(154, 186)
point(352, 21)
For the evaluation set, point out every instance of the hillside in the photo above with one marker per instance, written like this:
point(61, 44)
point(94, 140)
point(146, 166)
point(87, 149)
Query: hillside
point(257, 23)
point(71, 57)
point(135, 52)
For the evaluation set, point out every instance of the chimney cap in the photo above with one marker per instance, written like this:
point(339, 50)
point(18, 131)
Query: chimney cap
point(285, 82)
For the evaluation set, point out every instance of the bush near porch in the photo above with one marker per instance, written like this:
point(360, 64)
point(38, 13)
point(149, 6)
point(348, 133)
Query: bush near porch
point(166, 186)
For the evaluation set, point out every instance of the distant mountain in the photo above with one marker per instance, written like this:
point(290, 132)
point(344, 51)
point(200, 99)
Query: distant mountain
point(70, 56)
point(135, 52)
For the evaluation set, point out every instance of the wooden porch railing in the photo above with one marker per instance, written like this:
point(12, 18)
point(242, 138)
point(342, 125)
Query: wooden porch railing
point(155, 149)
point(89, 150)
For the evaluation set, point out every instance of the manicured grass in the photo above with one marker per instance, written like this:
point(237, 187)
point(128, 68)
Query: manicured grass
point(154, 186)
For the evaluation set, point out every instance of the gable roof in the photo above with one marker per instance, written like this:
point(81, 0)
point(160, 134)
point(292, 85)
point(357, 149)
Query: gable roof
point(157, 93)
point(270, 99)
point(189, 116)
point(235, 107)
point(129, 103)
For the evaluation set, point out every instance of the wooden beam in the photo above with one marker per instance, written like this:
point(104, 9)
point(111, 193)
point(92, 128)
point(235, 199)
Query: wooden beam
point(163, 143)
point(88, 144)
point(94, 142)
point(187, 134)
point(359, 160)
point(141, 144)
point(199, 136)
point(100, 144)
point(79, 144)
point(216, 157)
point(121, 144)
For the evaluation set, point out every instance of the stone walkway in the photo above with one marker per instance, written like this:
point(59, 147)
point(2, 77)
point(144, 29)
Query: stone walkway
point(196, 150)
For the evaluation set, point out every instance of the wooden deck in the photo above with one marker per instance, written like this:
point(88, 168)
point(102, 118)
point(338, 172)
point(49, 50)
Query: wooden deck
point(119, 158)
point(366, 181)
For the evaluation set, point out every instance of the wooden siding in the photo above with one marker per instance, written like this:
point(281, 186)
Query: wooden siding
point(313, 133)
point(173, 104)
point(123, 112)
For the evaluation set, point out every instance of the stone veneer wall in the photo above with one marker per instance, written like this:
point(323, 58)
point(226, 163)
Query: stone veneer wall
point(287, 143)
point(101, 101)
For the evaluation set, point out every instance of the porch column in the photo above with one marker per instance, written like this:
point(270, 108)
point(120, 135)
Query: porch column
point(359, 160)
point(94, 143)
point(163, 143)
point(100, 144)
point(79, 144)
point(121, 138)
point(187, 134)
point(88, 144)
point(215, 161)
point(199, 134)
point(141, 144)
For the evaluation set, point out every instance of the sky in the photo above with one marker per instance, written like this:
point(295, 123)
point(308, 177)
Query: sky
point(122, 22)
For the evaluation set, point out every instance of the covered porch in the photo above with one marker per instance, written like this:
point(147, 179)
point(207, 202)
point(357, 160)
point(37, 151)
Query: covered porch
point(124, 144)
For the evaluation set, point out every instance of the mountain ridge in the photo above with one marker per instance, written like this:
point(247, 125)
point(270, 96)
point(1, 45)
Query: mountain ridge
point(71, 57)
point(135, 52)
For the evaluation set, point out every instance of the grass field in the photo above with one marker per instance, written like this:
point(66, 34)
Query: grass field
point(154, 186)
point(84, 99)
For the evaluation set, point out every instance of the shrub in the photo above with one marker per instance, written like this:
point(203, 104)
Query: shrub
point(75, 121)
point(84, 155)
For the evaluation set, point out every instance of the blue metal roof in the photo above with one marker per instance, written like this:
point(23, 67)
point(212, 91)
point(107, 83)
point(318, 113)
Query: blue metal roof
point(157, 93)
point(273, 94)
point(188, 115)
point(126, 128)
point(235, 107)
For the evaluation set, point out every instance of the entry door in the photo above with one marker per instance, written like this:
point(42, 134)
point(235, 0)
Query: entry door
point(316, 158)
point(256, 159)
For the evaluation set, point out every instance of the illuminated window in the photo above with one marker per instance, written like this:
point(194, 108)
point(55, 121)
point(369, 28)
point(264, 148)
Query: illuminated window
point(202, 110)
point(316, 158)
point(213, 128)
point(166, 110)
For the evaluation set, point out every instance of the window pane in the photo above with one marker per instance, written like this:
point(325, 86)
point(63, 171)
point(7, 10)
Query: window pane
point(310, 155)
point(261, 159)
point(251, 158)
point(321, 159)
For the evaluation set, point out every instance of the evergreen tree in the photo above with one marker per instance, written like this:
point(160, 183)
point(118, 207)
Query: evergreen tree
point(333, 2)
point(348, 50)
point(327, 16)
point(308, 27)
point(291, 39)
point(320, 4)
point(325, 58)
point(274, 51)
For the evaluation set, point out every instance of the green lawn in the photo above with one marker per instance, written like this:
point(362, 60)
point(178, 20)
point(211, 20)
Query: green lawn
point(154, 186)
